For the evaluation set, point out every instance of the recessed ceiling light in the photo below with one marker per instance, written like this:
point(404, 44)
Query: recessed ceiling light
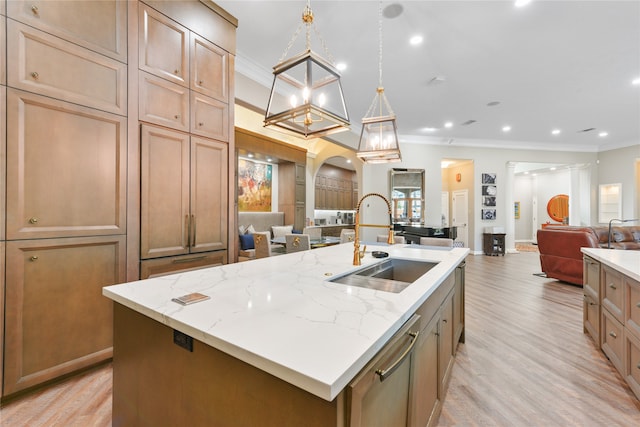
point(269, 159)
point(250, 156)
point(552, 168)
point(555, 132)
point(636, 81)
point(506, 128)
point(429, 129)
point(415, 40)
point(448, 124)
point(348, 160)
point(521, 3)
point(526, 172)
point(341, 66)
point(603, 134)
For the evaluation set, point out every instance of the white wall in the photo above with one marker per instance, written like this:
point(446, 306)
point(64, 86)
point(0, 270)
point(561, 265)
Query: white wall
point(618, 166)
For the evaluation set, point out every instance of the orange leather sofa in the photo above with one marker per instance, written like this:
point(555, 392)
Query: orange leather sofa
point(559, 246)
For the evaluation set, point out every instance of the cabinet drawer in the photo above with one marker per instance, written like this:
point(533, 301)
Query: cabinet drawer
point(209, 117)
point(180, 264)
point(612, 337)
point(632, 371)
point(3, 53)
point(51, 66)
point(632, 306)
point(612, 292)
point(163, 103)
point(591, 316)
point(67, 182)
point(97, 25)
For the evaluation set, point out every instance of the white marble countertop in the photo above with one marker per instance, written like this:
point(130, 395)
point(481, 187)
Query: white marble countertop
point(625, 261)
point(280, 314)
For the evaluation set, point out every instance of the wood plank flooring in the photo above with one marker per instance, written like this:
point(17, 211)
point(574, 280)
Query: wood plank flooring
point(525, 362)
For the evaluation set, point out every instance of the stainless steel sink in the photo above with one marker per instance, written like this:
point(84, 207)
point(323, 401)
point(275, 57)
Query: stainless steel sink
point(391, 275)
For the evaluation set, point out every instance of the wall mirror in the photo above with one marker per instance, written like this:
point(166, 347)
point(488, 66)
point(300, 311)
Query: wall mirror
point(558, 208)
point(407, 195)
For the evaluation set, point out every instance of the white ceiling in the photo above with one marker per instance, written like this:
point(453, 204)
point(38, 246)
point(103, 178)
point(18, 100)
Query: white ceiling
point(552, 64)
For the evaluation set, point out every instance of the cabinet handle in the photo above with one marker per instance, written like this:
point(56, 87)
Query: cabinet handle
point(200, 82)
point(35, 75)
point(612, 286)
point(193, 226)
point(444, 320)
point(33, 220)
point(385, 373)
point(34, 9)
point(613, 334)
point(33, 258)
point(200, 124)
point(187, 226)
point(177, 116)
point(183, 260)
point(588, 301)
point(638, 305)
point(176, 72)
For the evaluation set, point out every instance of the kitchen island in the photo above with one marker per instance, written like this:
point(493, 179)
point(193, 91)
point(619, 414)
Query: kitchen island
point(276, 326)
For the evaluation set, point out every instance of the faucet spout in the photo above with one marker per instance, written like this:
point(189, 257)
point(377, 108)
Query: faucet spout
point(357, 254)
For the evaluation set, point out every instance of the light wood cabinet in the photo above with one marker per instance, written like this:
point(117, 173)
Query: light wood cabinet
point(163, 103)
point(179, 264)
point(56, 319)
point(3, 162)
point(209, 117)
point(183, 193)
point(447, 344)
point(209, 69)
point(3, 48)
point(100, 26)
point(60, 69)
point(615, 297)
point(66, 169)
point(591, 294)
point(334, 189)
point(163, 46)
point(427, 398)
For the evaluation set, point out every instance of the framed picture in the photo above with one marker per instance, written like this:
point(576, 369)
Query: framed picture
point(488, 178)
point(489, 214)
point(489, 190)
point(488, 200)
point(516, 210)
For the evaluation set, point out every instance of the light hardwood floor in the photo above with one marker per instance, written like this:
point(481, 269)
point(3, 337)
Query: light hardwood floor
point(525, 362)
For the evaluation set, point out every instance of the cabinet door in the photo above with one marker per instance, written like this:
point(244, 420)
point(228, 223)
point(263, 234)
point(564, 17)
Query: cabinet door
point(374, 402)
point(612, 340)
point(163, 46)
point(100, 26)
point(56, 319)
point(66, 169)
point(446, 342)
point(209, 117)
point(426, 398)
point(612, 292)
point(3, 51)
point(632, 306)
point(458, 306)
point(164, 193)
point(632, 368)
point(2, 293)
point(163, 103)
point(209, 69)
point(209, 194)
point(53, 67)
point(3, 158)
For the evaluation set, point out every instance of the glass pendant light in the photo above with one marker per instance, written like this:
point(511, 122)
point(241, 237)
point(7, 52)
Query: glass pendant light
point(306, 97)
point(379, 136)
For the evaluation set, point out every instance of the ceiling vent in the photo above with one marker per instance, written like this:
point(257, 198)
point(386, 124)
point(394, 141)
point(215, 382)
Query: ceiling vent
point(587, 130)
point(468, 122)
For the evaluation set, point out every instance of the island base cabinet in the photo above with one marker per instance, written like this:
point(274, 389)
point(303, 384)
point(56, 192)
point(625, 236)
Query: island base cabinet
point(158, 383)
point(56, 319)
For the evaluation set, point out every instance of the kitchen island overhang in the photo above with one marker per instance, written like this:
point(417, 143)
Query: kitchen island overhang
point(283, 316)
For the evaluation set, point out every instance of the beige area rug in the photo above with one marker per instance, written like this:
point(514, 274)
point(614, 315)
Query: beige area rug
point(526, 247)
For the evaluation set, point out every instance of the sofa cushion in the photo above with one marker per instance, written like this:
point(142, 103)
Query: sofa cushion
point(246, 242)
point(281, 230)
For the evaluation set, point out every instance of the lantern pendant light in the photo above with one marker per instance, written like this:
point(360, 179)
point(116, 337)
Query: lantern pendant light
point(379, 136)
point(306, 97)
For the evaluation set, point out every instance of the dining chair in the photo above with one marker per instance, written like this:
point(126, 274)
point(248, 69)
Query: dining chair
point(297, 242)
point(436, 241)
point(313, 232)
point(382, 238)
point(347, 235)
point(262, 244)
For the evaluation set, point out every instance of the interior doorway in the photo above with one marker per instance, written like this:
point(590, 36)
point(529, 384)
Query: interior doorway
point(460, 215)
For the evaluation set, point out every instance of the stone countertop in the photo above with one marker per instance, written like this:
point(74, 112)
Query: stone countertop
point(282, 315)
point(626, 262)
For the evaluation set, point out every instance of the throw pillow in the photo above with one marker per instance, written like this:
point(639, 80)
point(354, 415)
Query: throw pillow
point(250, 229)
point(242, 230)
point(281, 230)
point(246, 242)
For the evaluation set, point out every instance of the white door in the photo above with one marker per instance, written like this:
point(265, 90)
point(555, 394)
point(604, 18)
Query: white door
point(445, 208)
point(460, 212)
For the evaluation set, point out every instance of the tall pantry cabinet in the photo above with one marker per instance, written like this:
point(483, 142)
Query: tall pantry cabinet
point(72, 136)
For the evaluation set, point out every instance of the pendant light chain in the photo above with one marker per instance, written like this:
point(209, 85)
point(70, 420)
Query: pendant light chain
point(307, 20)
point(380, 41)
point(380, 98)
